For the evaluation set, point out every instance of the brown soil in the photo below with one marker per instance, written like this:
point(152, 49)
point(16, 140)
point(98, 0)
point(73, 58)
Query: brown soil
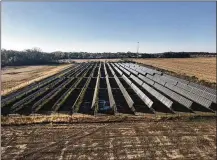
point(126, 140)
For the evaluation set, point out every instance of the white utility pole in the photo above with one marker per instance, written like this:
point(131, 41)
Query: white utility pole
point(137, 47)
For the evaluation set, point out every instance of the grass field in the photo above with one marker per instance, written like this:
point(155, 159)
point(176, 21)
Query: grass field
point(123, 140)
point(202, 68)
point(13, 78)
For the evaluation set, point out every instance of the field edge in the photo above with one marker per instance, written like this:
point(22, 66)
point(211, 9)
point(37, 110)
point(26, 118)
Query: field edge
point(81, 118)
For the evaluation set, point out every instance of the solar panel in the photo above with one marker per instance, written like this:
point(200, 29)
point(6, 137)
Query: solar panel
point(110, 95)
point(145, 99)
point(192, 96)
point(197, 86)
point(147, 80)
point(151, 71)
point(172, 81)
point(176, 79)
point(159, 80)
point(184, 86)
point(209, 96)
point(125, 71)
point(197, 91)
point(113, 73)
point(149, 76)
point(118, 70)
point(137, 80)
point(136, 70)
point(125, 93)
point(158, 96)
point(178, 98)
point(209, 90)
point(132, 71)
point(126, 79)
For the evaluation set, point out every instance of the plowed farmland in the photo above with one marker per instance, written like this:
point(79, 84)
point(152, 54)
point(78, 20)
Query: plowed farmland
point(202, 68)
point(138, 140)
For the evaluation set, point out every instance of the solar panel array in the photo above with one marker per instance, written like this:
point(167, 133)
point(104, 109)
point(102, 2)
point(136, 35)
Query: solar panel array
point(175, 89)
point(122, 87)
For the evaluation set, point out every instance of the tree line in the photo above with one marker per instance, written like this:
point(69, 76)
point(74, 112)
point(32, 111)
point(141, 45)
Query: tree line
point(36, 56)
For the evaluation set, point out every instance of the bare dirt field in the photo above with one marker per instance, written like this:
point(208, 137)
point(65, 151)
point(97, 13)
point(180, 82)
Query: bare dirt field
point(13, 78)
point(123, 140)
point(202, 68)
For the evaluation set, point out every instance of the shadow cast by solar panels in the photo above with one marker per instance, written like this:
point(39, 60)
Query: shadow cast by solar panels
point(103, 103)
point(95, 73)
point(85, 107)
point(5, 110)
point(197, 107)
point(102, 72)
point(157, 105)
point(108, 71)
point(27, 109)
point(213, 107)
point(180, 108)
point(121, 104)
point(113, 83)
point(69, 102)
point(139, 105)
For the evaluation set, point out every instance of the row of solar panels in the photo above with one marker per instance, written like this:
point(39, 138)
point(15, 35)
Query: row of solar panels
point(183, 101)
point(181, 82)
point(148, 70)
point(172, 79)
point(127, 97)
point(44, 86)
point(149, 86)
point(172, 90)
point(58, 89)
point(193, 90)
point(142, 96)
point(31, 97)
point(165, 101)
point(27, 89)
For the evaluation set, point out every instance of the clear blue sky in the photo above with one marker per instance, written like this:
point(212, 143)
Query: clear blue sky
point(109, 26)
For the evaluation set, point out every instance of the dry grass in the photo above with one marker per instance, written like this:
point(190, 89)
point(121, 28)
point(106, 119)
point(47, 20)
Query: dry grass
point(83, 118)
point(13, 78)
point(202, 68)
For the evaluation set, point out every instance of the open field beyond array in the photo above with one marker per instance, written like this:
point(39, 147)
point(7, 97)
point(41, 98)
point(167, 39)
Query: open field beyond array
point(20, 76)
point(126, 140)
point(202, 68)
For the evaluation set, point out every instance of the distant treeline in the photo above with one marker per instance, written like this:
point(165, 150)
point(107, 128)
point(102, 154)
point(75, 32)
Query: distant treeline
point(36, 57)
